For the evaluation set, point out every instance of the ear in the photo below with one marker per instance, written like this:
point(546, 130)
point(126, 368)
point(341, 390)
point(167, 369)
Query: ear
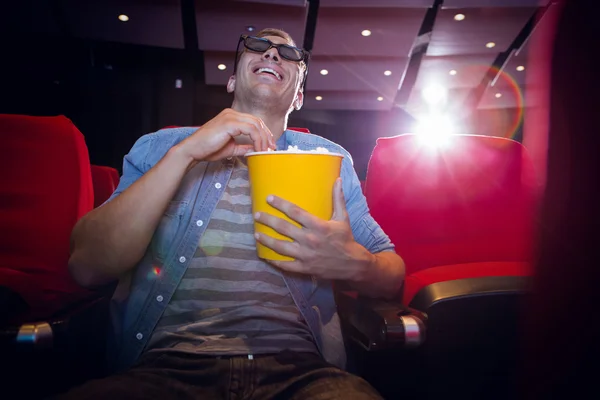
point(231, 84)
point(299, 100)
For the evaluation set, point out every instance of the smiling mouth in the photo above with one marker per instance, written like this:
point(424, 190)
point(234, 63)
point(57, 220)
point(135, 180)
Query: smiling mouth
point(266, 70)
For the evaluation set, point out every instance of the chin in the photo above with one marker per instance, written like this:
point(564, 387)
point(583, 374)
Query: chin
point(266, 93)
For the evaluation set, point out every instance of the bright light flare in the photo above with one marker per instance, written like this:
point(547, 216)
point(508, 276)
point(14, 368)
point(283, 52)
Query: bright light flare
point(435, 130)
point(434, 94)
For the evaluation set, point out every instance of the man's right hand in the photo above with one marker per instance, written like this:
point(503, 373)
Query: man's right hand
point(216, 139)
point(112, 239)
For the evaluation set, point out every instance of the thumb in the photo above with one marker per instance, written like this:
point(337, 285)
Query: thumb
point(241, 149)
point(339, 202)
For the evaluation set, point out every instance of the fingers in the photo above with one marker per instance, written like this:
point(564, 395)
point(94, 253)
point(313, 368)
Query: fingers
point(296, 213)
point(240, 150)
point(283, 247)
point(280, 225)
point(255, 129)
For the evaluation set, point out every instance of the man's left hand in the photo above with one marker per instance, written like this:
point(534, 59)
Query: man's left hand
point(325, 249)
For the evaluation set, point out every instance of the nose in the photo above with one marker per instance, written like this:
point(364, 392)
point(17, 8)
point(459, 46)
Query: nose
point(271, 54)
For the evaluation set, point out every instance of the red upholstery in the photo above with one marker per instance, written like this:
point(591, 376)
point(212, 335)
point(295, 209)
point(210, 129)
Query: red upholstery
point(105, 180)
point(45, 188)
point(303, 130)
point(418, 280)
point(468, 202)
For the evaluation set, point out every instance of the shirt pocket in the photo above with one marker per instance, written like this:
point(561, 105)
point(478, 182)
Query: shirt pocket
point(164, 237)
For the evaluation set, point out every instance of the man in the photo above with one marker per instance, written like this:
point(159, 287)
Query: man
point(203, 316)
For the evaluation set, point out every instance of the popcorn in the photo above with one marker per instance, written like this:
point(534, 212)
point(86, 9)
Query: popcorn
point(317, 150)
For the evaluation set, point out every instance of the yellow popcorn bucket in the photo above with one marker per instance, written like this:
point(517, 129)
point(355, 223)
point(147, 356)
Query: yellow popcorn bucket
point(303, 178)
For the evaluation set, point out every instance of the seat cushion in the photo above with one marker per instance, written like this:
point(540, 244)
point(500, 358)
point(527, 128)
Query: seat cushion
point(418, 280)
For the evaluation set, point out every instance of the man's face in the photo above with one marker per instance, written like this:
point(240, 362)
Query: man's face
point(268, 76)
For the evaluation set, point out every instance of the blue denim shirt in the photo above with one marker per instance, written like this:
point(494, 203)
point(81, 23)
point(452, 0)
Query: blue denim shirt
point(142, 296)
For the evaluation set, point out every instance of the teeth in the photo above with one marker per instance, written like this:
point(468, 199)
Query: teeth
point(270, 71)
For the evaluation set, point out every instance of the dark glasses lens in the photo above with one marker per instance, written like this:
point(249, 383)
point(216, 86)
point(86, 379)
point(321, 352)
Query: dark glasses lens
point(257, 44)
point(291, 53)
point(286, 51)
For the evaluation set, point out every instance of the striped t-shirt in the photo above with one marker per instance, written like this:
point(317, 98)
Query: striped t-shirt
point(229, 301)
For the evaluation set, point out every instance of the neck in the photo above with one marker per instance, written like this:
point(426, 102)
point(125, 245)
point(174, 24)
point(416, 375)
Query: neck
point(273, 119)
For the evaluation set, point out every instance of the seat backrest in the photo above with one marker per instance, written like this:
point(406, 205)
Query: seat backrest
point(302, 130)
point(105, 180)
point(469, 199)
point(45, 187)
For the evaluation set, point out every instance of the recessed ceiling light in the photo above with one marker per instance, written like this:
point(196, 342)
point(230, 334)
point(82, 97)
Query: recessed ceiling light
point(387, 73)
point(459, 17)
point(123, 18)
point(452, 72)
point(366, 32)
point(520, 68)
point(498, 95)
point(324, 72)
point(222, 67)
point(318, 98)
point(250, 28)
point(380, 98)
point(490, 45)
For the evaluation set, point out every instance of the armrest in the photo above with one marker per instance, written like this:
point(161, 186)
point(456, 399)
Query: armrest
point(377, 324)
point(47, 334)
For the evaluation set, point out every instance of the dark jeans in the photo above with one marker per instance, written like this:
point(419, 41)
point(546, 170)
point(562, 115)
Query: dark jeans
point(286, 375)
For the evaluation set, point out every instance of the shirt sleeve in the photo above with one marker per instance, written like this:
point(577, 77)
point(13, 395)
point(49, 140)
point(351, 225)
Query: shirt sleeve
point(134, 164)
point(365, 229)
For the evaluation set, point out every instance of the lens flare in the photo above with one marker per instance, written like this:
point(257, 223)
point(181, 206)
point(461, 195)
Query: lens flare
point(434, 94)
point(435, 130)
point(154, 273)
point(505, 80)
point(507, 120)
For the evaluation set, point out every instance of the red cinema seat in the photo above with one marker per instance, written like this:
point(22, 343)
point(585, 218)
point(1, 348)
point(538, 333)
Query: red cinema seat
point(302, 130)
point(105, 180)
point(460, 213)
point(458, 209)
point(45, 188)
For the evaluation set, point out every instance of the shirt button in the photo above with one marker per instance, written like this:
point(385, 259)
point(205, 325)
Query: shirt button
point(199, 222)
point(182, 259)
point(139, 336)
point(218, 185)
point(159, 298)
